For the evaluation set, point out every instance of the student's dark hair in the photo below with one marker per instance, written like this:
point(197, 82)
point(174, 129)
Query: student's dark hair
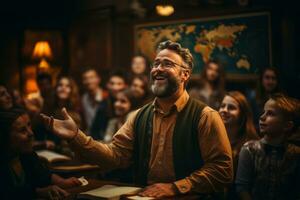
point(184, 53)
point(44, 76)
point(88, 68)
point(262, 96)
point(120, 73)
point(219, 84)
point(7, 118)
point(132, 99)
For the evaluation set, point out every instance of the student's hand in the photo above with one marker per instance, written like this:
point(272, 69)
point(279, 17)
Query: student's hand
point(69, 182)
point(65, 129)
point(159, 190)
point(51, 192)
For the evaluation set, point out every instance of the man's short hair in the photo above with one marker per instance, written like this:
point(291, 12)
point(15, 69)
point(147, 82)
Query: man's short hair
point(184, 53)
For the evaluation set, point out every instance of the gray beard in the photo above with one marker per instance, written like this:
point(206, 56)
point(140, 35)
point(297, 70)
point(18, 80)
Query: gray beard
point(166, 90)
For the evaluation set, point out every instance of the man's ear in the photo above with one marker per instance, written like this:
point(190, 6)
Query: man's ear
point(186, 75)
point(289, 126)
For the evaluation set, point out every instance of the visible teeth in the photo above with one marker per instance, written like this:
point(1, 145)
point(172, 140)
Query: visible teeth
point(159, 77)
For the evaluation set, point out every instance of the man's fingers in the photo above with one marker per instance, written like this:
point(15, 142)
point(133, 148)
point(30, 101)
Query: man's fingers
point(65, 113)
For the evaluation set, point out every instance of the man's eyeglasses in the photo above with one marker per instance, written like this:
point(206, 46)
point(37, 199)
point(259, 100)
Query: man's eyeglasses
point(166, 64)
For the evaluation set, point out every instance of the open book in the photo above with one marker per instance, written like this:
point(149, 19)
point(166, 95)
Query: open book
point(51, 156)
point(109, 192)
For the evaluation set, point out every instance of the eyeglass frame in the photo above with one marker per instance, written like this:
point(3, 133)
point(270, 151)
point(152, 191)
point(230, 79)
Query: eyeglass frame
point(164, 66)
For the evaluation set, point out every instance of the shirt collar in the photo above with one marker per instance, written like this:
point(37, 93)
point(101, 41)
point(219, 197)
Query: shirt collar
point(178, 105)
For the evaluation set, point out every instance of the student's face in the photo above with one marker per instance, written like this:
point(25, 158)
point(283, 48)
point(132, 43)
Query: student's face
point(212, 72)
point(137, 87)
point(138, 65)
point(122, 105)
point(21, 136)
point(63, 89)
point(91, 80)
point(167, 80)
point(230, 111)
point(269, 80)
point(5, 99)
point(272, 122)
point(115, 85)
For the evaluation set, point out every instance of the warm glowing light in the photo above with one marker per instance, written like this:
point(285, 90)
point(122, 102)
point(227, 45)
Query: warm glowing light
point(165, 10)
point(42, 50)
point(44, 65)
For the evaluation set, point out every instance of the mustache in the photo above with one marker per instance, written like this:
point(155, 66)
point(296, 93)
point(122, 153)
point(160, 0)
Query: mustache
point(163, 74)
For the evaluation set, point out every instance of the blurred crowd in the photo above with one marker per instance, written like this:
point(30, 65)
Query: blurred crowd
point(102, 108)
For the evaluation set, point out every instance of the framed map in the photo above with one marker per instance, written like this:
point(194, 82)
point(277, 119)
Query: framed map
point(242, 43)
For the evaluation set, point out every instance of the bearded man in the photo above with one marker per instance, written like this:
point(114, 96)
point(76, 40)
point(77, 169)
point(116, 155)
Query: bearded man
point(175, 143)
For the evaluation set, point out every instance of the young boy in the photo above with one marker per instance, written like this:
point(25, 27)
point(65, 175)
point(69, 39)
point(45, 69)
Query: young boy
point(270, 168)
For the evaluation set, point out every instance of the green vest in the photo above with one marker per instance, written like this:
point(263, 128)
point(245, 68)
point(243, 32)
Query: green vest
point(186, 151)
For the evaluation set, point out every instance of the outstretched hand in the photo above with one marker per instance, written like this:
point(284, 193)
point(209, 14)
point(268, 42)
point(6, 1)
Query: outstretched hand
point(65, 129)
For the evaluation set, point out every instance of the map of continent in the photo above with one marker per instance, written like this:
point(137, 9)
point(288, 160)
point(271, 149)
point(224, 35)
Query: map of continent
point(240, 43)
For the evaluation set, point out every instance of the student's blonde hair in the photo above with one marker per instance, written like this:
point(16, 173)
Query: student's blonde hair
point(290, 108)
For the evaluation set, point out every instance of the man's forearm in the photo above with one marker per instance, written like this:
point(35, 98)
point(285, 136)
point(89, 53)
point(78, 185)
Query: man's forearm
point(107, 156)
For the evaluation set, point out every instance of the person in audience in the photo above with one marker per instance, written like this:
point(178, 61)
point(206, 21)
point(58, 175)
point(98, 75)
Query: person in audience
point(94, 104)
point(23, 176)
point(42, 100)
point(6, 101)
point(124, 104)
point(270, 167)
point(169, 156)
point(117, 81)
point(237, 117)
point(139, 66)
point(66, 96)
point(268, 84)
point(93, 96)
point(211, 86)
point(140, 89)
point(17, 98)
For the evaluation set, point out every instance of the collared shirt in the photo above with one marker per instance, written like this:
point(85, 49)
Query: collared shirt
point(267, 171)
point(90, 107)
point(213, 141)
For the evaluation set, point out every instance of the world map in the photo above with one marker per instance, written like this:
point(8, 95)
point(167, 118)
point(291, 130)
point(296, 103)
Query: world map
point(241, 44)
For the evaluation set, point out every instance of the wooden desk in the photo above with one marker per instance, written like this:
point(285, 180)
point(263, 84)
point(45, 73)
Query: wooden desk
point(93, 184)
point(74, 168)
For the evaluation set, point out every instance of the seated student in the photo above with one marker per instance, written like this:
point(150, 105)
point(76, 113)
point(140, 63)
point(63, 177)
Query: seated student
point(237, 117)
point(140, 89)
point(22, 174)
point(124, 103)
point(270, 168)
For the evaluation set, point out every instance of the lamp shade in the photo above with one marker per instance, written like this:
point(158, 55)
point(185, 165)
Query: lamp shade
point(42, 50)
point(165, 10)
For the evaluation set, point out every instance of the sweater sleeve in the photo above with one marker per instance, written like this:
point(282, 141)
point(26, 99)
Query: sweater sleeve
point(245, 171)
point(117, 154)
